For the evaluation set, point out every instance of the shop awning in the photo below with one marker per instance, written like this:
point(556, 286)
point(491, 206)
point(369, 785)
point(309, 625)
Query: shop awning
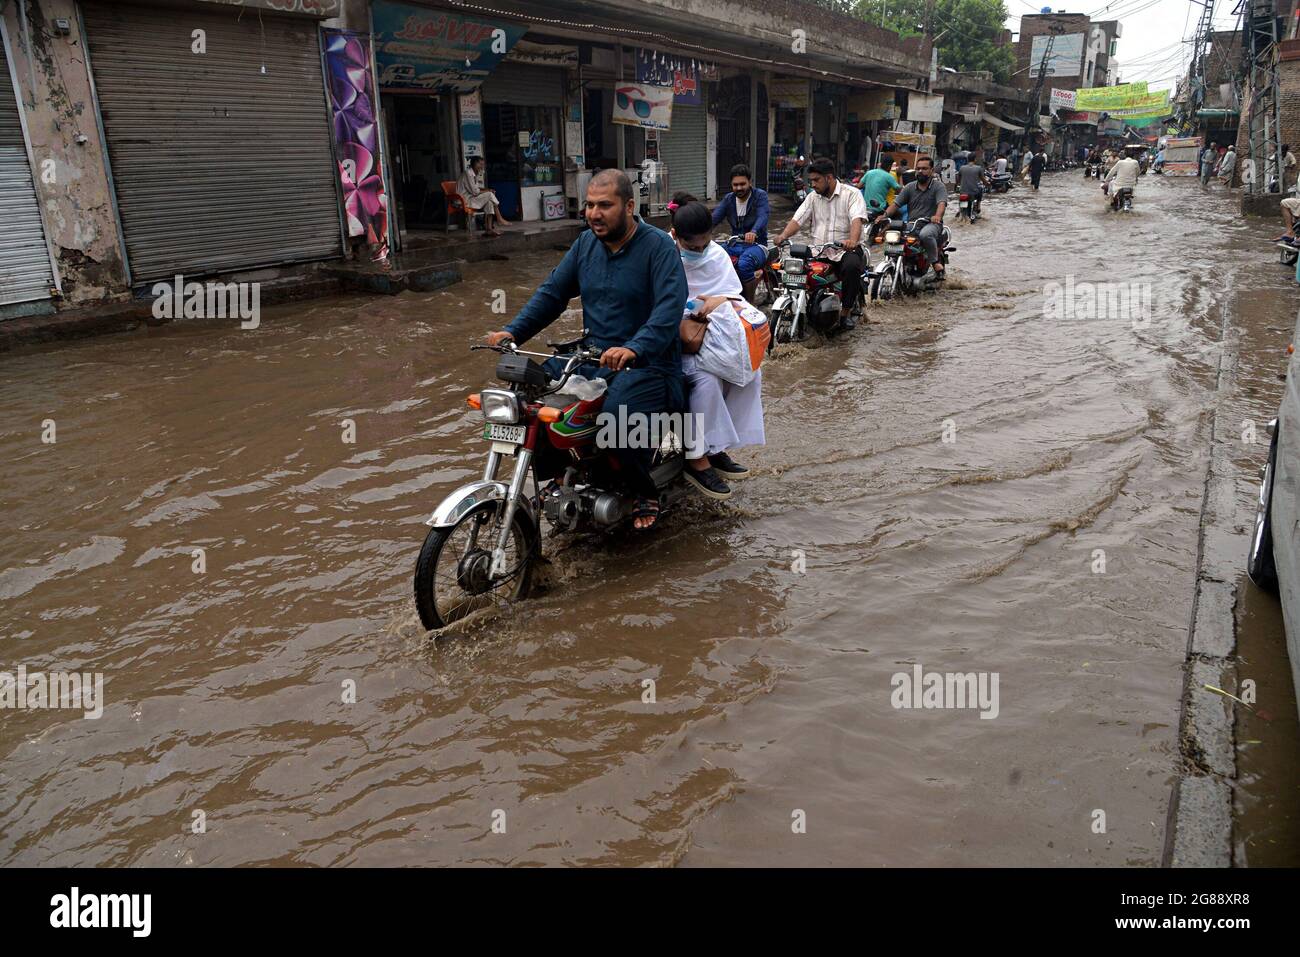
point(1001, 124)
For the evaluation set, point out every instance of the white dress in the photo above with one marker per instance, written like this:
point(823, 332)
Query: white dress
point(475, 195)
point(726, 416)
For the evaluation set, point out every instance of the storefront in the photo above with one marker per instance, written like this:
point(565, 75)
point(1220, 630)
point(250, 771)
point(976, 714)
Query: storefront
point(523, 137)
point(788, 122)
point(431, 66)
point(223, 160)
point(27, 272)
point(868, 112)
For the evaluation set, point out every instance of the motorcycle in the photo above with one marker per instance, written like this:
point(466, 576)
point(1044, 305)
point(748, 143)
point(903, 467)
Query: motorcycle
point(904, 268)
point(1092, 170)
point(810, 292)
point(768, 280)
point(1000, 182)
point(1122, 201)
point(968, 207)
point(485, 537)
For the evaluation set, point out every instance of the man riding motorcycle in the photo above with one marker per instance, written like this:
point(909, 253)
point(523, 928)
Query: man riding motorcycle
point(633, 291)
point(834, 213)
point(970, 181)
point(1124, 174)
point(879, 186)
point(746, 210)
point(925, 198)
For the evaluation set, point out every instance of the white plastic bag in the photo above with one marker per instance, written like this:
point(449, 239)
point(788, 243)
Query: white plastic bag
point(583, 388)
point(725, 351)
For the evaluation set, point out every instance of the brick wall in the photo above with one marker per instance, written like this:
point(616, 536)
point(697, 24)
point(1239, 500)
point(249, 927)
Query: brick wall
point(1289, 86)
point(1037, 24)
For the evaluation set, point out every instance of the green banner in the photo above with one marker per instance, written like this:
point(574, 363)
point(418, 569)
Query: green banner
point(1110, 97)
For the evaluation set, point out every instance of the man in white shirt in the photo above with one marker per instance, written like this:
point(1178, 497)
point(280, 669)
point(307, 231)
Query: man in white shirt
point(1001, 166)
point(1123, 175)
point(834, 213)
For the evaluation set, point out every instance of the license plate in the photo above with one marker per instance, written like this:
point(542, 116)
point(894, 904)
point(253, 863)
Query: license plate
point(965, 204)
point(513, 434)
point(894, 250)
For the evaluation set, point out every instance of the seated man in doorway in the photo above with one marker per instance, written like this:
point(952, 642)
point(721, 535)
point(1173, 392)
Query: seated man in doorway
point(633, 289)
point(478, 198)
point(746, 210)
point(834, 212)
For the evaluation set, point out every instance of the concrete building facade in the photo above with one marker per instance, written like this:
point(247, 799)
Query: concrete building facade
point(127, 183)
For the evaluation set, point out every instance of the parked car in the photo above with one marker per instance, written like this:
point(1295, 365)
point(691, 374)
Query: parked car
point(1273, 562)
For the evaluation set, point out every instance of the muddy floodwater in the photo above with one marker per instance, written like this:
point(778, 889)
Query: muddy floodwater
point(968, 483)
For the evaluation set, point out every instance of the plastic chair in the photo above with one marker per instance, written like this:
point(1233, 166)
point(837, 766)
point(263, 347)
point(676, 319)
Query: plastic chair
point(456, 206)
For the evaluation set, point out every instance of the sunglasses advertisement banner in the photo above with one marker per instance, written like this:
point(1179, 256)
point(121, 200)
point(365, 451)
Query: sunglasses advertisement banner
point(639, 104)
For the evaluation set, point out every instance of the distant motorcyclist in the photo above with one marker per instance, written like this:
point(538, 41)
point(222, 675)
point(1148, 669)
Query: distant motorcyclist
point(1124, 174)
point(971, 182)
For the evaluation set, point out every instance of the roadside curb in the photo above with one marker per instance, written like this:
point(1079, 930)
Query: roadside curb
point(1199, 832)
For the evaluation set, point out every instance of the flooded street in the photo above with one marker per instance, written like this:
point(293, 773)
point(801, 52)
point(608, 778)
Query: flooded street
point(1051, 540)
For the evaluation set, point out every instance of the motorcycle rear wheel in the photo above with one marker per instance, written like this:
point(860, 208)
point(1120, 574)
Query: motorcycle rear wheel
point(451, 572)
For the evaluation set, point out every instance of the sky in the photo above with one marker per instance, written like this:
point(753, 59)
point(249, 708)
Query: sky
point(1150, 47)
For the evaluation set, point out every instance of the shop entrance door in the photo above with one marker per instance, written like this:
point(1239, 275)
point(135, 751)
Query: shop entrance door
point(423, 157)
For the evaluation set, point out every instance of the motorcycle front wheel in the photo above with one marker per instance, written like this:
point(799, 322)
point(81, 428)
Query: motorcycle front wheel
point(885, 285)
point(451, 574)
point(782, 326)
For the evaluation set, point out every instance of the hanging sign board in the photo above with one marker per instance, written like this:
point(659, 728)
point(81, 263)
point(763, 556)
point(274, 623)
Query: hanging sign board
point(417, 48)
point(638, 104)
point(668, 69)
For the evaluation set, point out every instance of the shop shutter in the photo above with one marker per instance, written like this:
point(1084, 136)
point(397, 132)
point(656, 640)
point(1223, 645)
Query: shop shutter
point(684, 149)
point(523, 84)
point(220, 160)
point(25, 270)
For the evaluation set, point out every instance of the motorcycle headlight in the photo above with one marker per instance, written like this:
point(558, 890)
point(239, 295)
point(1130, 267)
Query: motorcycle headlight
point(793, 266)
point(500, 406)
point(893, 237)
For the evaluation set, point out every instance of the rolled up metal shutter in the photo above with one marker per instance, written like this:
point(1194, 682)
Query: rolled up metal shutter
point(25, 270)
point(685, 149)
point(523, 84)
point(220, 160)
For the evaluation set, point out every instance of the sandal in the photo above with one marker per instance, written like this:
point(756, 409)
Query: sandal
point(645, 508)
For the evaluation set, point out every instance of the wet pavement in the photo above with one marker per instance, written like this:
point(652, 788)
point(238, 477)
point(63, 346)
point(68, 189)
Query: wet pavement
point(1052, 540)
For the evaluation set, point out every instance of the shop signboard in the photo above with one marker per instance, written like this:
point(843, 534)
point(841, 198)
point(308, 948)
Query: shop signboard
point(789, 94)
point(925, 108)
point(643, 105)
point(1067, 55)
point(471, 123)
point(435, 51)
point(356, 135)
point(667, 69)
point(1063, 100)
